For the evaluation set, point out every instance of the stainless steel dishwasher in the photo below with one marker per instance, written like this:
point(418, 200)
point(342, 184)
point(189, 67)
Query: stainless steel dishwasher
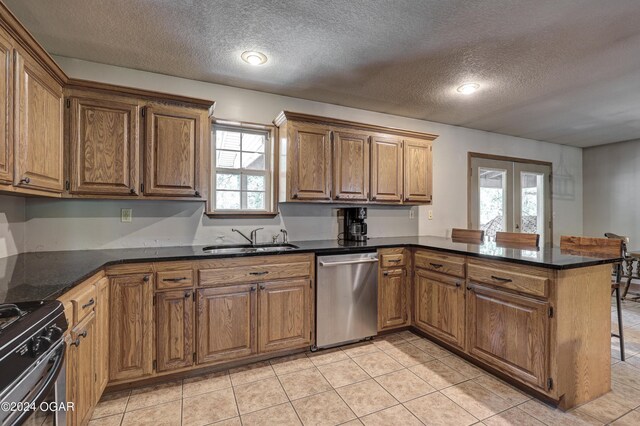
point(347, 298)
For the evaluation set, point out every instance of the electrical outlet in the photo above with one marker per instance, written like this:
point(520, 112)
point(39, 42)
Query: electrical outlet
point(126, 215)
point(430, 214)
point(412, 214)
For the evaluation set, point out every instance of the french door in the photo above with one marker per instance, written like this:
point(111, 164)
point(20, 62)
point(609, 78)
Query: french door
point(511, 196)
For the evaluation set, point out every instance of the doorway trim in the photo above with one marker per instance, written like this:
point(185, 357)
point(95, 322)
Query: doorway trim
point(472, 155)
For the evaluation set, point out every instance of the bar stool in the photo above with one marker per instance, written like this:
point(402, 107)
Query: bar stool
point(467, 235)
point(517, 239)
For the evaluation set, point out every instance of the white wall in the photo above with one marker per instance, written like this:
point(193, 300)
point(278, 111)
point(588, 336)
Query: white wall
point(611, 193)
point(56, 225)
point(12, 229)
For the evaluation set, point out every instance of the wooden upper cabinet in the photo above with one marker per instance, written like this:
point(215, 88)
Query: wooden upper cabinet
point(386, 169)
point(509, 332)
point(173, 138)
point(309, 162)
point(6, 114)
point(284, 315)
point(227, 323)
point(350, 166)
point(174, 328)
point(131, 327)
point(418, 177)
point(103, 146)
point(439, 306)
point(38, 133)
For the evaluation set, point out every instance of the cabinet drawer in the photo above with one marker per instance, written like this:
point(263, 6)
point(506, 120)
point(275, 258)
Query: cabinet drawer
point(450, 265)
point(83, 303)
point(392, 260)
point(174, 279)
point(514, 277)
point(253, 273)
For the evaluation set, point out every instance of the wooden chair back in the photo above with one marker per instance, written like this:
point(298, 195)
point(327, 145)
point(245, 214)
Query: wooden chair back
point(517, 239)
point(467, 235)
point(591, 246)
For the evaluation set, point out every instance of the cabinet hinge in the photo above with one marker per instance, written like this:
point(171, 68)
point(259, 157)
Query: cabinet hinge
point(550, 311)
point(310, 334)
point(142, 111)
point(67, 185)
point(549, 383)
point(155, 364)
point(142, 187)
point(154, 300)
point(68, 103)
point(194, 296)
point(194, 357)
point(310, 284)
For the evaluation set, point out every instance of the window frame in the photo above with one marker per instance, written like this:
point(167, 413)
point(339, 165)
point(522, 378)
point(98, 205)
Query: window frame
point(270, 171)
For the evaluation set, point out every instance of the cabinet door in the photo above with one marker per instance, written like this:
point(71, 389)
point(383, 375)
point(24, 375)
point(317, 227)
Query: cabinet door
point(226, 323)
point(83, 377)
point(392, 299)
point(386, 169)
point(310, 162)
point(439, 306)
point(104, 147)
point(285, 315)
point(6, 97)
point(417, 171)
point(172, 144)
point(350, 166)
point(38, 133)
point(174, 326)
point(102, 337)
point(509, 332)
point(131, 327)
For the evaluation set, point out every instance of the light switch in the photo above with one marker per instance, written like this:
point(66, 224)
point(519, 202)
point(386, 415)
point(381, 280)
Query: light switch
point(126, 215)
point(430, 214)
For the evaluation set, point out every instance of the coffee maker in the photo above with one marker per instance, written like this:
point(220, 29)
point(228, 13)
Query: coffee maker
point(354, 228)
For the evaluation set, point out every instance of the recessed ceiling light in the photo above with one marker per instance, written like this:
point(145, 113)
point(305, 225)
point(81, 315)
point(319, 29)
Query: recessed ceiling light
point(468, 88)
point(254, 58)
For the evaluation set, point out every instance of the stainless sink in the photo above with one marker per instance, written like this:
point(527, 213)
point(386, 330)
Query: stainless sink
point(240, 249)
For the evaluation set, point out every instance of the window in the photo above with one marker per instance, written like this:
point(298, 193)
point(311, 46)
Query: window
point(242, 180)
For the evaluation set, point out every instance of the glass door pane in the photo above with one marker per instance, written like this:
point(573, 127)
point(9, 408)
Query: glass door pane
point(492, 192)
point(533, 200)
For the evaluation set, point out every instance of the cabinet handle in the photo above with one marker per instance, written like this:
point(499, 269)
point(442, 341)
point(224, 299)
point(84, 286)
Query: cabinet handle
point(458, 284)
point(394, 260)
point(132, 191)
point(294, 196)
point(76, 342)
point(436, 265)
point(89, 303)
point(469, 288)
point(25, 180)
point(385, 273)
point(504, 280)
point(196, 194)
point(83, 334)
point(146, 278)
point(262, 287)
point(259, 273)
point(174, 280)
point(187, 294)
point(253, 289)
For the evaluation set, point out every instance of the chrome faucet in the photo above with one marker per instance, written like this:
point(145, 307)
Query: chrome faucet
point(285, 238)
point(253, 236)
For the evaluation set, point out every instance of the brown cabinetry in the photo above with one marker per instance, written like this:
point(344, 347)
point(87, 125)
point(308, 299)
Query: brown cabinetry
point(102, 337)
point(386, 169)
point(350, 166)
point(284, 315)
point(172, 147)
point(175, 328)
point(439, 306)
point(103, 137)
point(509, 332)
point(6, 113)
point(38, 132)
point(131, 327)
point(418, 185)
point(83, 377)
point(393, 290)
point(309, 162)
point(227, 323)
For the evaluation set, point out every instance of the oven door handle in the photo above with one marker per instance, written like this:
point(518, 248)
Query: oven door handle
point(37, 396)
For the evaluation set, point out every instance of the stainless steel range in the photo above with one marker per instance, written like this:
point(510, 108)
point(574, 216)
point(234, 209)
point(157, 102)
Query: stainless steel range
point(32, 352)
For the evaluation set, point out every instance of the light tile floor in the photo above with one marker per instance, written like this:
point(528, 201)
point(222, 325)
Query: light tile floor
point(401, 379)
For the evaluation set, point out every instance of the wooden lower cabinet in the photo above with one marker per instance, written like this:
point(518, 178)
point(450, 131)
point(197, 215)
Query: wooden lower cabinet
point(439, 306)
point(392, 299)
point(82, 360)
point(174, 328)
point(102, 337)
point(131, 327)
point(284, 318)
point(227, 323)
point(509, 332)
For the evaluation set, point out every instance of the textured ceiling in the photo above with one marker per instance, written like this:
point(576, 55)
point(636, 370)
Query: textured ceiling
point(565, 71)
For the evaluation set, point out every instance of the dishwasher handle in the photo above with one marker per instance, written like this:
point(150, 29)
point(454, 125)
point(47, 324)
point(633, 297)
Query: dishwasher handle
point(350, 262)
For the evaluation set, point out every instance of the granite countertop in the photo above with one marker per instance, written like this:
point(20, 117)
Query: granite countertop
point(47, 275)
